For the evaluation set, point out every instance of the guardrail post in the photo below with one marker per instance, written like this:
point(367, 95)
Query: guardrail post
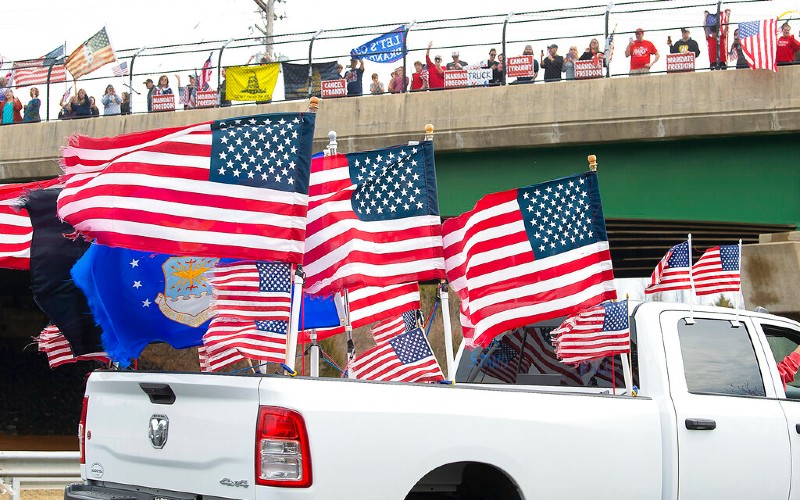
point(310, 67)
point(505, 56)
point(405, 53)
point(130, 78)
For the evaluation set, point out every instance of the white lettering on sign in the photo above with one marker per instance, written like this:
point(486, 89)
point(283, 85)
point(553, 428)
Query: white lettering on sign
point(163, 102)
point(520, 66)
point(677, 63)
point(206, 98)
point(588, 69)
point(334, 88)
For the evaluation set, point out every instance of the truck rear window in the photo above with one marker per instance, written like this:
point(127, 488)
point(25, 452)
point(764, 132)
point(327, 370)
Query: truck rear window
point(527, 356)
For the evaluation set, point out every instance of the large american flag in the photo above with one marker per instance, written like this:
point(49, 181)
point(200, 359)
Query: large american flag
point(230, 188)
point(594, 333)
point(229, 341)
point(34, 72)
point(252, 291)
point(58, 351)
point(673, 271)
point(717, 271)
point(386, 330)
point(760, 43)
point(529, 254)
point(406, 358)
point(15, 224)
point(90, 55)
point(373, 219)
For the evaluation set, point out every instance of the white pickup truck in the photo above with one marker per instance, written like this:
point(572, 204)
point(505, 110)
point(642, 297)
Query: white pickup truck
point(711, 420)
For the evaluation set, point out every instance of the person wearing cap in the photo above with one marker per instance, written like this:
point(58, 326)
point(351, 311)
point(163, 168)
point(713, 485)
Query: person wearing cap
point(151, 88)
point(640, 50)
point(354, 77)
point(528, 51)
point(435, 69)
point(553, 64)
point(685, 44)
point(457, 63)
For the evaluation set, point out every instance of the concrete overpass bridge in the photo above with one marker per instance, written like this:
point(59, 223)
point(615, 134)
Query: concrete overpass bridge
point(711, 153)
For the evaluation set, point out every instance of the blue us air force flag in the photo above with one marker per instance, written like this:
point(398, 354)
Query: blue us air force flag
point(384, 49)
point(139, 298)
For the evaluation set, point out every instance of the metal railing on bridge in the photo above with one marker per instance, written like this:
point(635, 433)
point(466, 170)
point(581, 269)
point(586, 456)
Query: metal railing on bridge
point(37, 470)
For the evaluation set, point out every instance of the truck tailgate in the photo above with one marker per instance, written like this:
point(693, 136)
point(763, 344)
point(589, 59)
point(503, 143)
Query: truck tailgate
point(208, 449)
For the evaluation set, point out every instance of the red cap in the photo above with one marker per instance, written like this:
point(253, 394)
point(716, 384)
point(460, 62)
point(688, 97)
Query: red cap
point(639, 29)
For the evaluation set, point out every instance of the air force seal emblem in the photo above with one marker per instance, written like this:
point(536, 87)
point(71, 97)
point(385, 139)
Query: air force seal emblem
point(187, 294)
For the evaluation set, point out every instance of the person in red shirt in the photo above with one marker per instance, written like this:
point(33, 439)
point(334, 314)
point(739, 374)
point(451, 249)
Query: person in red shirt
point(435, 70)
point(787, 46)
point(789, 366)
point(419, 79)
point(639, 51)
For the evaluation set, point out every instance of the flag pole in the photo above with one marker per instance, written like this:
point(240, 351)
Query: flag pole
point(348, 331)
point(314, 351)
point(739, 295)
point(691, 281)
point(627, 374)
point(448, 330)
point(297, 297)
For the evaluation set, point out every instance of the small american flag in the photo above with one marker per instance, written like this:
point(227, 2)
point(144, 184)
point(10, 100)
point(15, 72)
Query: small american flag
point(204, 82)
point(406, 358)
point(530, 254)
point(227, 342)
point(373, 219)
point(231, 188)
point(390, 328)
point(594, 333)
point(252, 291)
point(34, 72)
point(673, 272)
point(53, 343)
point(120, 69)
point(760, 43)
point(717, 271)
point(504, 361)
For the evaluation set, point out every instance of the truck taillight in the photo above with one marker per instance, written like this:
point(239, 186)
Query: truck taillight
point(283, 457)
point(82, 430)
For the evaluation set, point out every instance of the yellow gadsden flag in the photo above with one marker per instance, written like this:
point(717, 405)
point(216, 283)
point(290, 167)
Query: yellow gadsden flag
point(251, 83)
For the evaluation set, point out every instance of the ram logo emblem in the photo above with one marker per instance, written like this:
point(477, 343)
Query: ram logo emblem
point(158, 430)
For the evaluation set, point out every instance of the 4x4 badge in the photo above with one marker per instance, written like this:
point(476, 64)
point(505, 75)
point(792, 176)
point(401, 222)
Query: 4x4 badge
point(158, 430)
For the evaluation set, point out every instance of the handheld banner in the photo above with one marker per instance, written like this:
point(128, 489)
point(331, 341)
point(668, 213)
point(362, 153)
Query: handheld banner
point(163, 102)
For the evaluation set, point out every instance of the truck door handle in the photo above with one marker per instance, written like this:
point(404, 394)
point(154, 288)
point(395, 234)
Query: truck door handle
point(159, 394)
point(700, 424)
point(797, 428)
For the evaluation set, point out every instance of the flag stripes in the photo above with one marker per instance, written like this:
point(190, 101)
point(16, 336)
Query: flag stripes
point(53, 343)
point(673, 271)
point(596, 332)
point(492, 264)
point(252, 291)
point(759, 41)
point(227, 342)
point(15, 224)
point(405, 358)
point(717, 271)
point(151, 191)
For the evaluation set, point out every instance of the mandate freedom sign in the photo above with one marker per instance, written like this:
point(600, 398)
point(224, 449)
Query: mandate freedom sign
point(677, 63)
point(334, 88)
point(163, 102)
point(520, 66)
point(585, 70)
point(206, 98)
point(470, 77)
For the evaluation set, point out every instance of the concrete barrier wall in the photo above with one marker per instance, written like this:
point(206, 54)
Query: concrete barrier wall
point(676, 106)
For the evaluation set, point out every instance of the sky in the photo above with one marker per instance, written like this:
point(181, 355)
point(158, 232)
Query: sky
point(31, 29)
